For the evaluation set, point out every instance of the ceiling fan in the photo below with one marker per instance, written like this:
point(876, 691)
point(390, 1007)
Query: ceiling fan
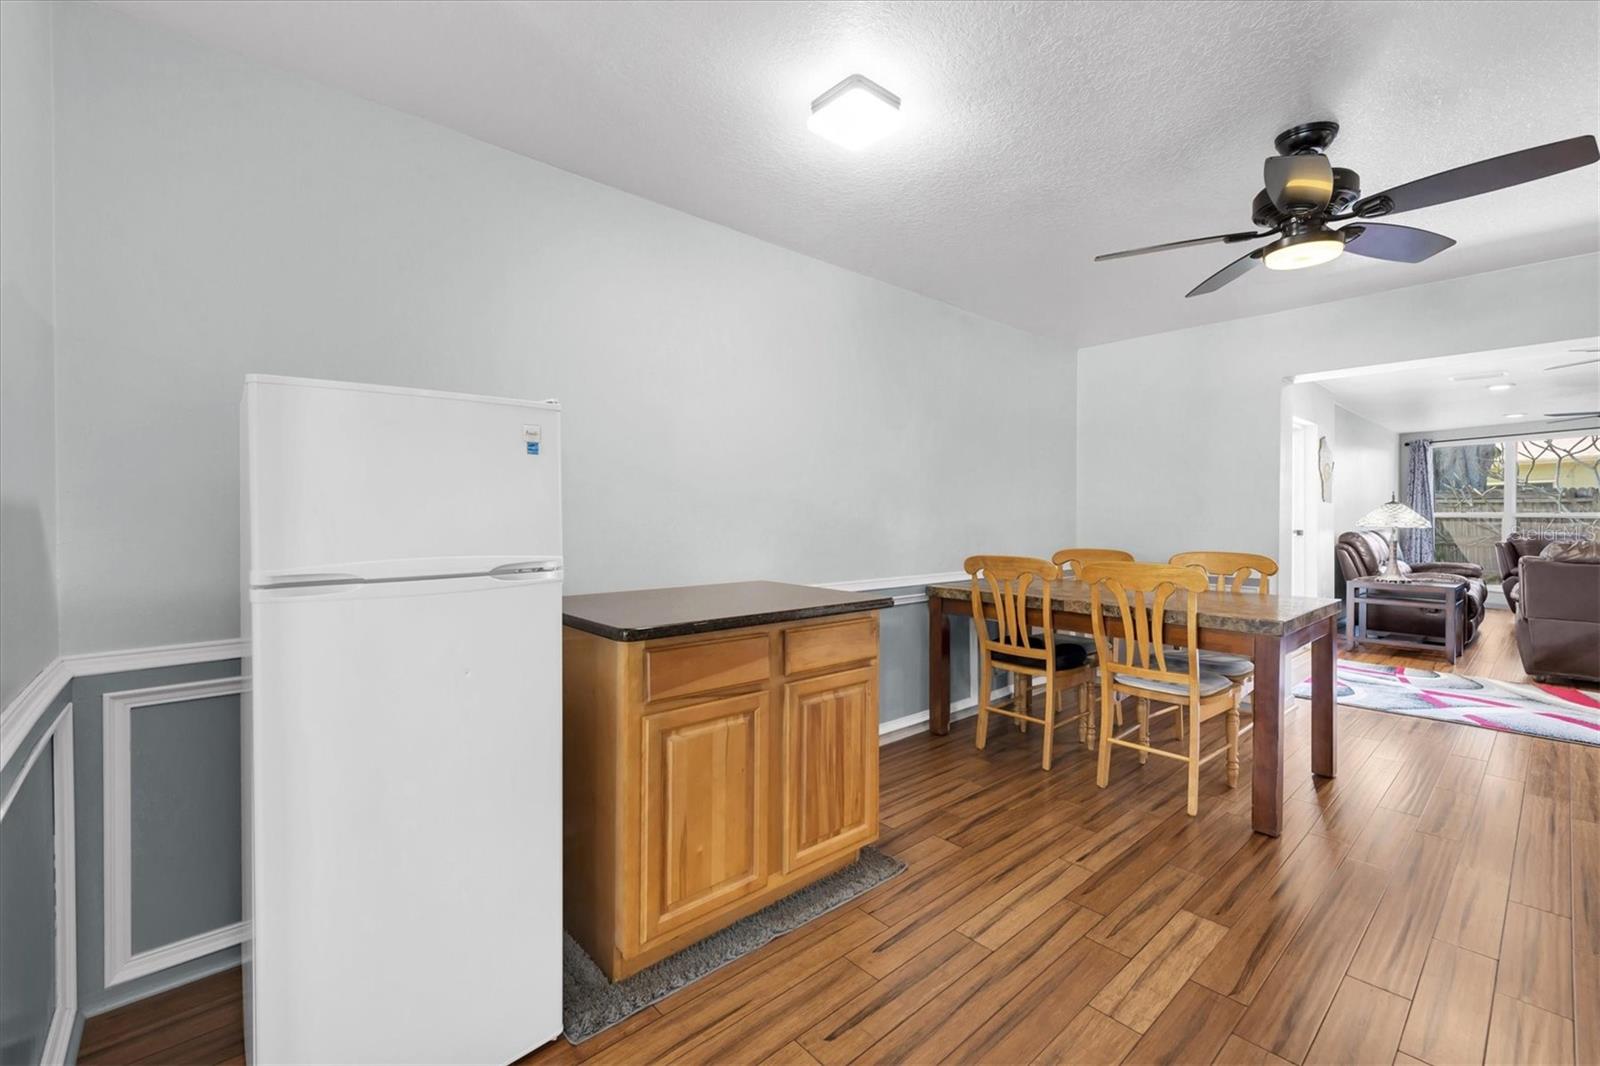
point(1305, 192)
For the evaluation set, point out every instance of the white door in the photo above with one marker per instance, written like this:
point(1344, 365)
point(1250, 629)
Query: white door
point(1303, 500)
point(406, 821)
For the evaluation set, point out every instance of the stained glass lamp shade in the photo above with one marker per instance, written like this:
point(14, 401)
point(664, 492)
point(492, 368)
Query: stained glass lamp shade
point(1393, 516)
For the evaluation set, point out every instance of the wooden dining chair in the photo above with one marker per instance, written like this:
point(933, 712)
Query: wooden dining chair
point(1230, 572)
point(1008, 641)
point(1076, 559)
point(1138, 594)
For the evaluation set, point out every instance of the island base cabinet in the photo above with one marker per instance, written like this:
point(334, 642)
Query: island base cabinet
point(830, 766)
point(707, 776)
point(706, 809)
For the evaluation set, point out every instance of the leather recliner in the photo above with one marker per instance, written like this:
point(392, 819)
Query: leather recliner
point(1557, 607)
point(1360, 553)
point(1512, 550)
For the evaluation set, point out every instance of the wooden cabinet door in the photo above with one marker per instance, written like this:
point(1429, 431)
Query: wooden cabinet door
point(830, 765)
point(706, 809)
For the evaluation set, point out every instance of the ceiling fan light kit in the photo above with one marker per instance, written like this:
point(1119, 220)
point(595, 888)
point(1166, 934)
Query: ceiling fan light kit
point(1304, 192)
point(1301, 250)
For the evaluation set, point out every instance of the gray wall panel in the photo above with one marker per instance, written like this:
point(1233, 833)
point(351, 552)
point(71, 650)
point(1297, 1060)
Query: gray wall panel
point(184, 760)
point(902, 660)
point(27, 914)
point(89, 754)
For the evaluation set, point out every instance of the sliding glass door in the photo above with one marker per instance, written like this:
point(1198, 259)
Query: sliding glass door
point(1553, 487)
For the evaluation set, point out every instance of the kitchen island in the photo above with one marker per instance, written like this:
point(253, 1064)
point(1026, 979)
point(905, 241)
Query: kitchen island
point(720, 751)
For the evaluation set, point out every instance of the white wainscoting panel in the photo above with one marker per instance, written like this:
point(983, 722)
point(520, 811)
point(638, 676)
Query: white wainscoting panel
point(65, 1016)
point(121, 964)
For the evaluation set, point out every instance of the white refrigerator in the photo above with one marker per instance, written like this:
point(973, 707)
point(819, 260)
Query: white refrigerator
point(402, 731)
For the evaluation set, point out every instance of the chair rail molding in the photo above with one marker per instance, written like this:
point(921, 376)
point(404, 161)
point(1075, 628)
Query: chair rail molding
point(65, 1016)
point(121, 964)
point(873, 584)
point(29, 705)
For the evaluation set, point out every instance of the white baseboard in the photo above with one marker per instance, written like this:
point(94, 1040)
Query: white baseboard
point(908, 724)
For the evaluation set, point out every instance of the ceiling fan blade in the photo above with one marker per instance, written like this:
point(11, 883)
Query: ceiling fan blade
point(1298, 184)
point(1237, 268)
point(1221, 238)
point(1487, 175)
point(1569, 366)
point(1572, 414)
point(1398, 244)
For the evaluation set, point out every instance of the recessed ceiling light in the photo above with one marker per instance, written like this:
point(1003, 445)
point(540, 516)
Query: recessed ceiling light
point(1484, 376)
point(855, 113)
point(1502, 387)
point(1519, 414)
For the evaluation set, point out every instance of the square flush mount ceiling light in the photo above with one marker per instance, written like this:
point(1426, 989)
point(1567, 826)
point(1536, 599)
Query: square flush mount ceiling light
point(855, 113)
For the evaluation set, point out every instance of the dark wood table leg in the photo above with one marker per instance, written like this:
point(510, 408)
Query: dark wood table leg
point(1266, 739)
point(1324, 738)
point(938, 667)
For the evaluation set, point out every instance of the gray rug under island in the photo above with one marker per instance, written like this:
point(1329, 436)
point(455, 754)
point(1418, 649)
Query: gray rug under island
point(591, 1004)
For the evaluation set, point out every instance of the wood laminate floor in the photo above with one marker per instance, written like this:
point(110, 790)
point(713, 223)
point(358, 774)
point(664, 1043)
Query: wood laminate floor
point(1437, 902)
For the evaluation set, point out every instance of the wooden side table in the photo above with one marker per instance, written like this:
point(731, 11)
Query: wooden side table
point(1363, 593)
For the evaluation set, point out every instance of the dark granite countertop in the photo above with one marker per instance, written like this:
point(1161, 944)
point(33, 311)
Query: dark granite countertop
point(648, 614)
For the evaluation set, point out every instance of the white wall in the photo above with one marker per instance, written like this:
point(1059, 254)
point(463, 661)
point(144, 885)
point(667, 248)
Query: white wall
point(1183, 436)
point(28, 627)
point(1366, 467)
point(733, 410)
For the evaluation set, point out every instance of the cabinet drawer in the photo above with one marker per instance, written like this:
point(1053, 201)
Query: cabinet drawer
point(686, 669)
point(835, 644)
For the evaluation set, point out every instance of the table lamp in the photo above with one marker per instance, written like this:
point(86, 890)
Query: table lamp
point(1393, 516)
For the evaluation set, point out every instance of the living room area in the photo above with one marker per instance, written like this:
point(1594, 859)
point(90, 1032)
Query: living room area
point(1452, 505)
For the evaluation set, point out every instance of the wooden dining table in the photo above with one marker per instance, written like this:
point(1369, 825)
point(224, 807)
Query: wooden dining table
point(1266, 628)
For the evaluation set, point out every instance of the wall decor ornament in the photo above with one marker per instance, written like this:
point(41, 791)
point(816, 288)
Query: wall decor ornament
point(1325, 468)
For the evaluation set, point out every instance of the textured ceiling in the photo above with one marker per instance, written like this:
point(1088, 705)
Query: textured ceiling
point(1422, 396)
point(1036, 134)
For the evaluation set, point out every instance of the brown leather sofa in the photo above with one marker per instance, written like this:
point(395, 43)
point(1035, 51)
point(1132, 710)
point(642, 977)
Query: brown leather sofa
point(1557, 606)
point(1361, 553)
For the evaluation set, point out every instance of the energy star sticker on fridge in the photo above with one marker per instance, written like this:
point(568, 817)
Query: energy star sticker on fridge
point(402, 736)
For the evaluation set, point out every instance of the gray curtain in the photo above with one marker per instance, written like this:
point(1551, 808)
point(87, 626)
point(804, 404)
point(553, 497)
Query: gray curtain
point(1416, 545)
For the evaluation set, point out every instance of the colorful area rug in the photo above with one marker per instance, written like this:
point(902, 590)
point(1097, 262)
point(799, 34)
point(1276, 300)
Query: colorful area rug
point(1552, 711)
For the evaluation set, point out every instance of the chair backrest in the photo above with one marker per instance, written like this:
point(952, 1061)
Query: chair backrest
point(1008, 579)
point(1076, 558)
point(1140, 593)
point(1230, 570)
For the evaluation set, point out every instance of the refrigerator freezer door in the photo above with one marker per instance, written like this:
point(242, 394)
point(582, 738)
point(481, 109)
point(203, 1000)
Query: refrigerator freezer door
point(341, 475)
point(406, 821)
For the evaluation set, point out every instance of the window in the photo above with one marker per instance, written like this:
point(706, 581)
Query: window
point(1554, 488)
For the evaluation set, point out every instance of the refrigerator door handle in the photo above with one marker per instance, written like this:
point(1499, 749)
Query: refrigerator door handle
point(527, 571)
